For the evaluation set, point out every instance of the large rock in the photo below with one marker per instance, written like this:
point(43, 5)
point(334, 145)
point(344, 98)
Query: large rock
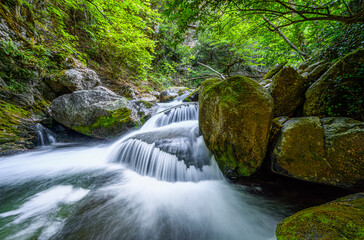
point(74, 79)
point(340, 90)
point(328, 151)
point(235, 117)
point(287, 89)
point(340, 219)
point(98, 113)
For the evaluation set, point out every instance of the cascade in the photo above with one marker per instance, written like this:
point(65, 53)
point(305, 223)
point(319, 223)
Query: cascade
point(159, 182)
point(45, 135)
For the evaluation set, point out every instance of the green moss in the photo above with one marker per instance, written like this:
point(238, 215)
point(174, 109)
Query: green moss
point(341, 219)
point(11, 137)
point(118, 118)
point(147, 104)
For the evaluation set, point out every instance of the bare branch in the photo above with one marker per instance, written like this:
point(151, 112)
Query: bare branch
point(222, 76)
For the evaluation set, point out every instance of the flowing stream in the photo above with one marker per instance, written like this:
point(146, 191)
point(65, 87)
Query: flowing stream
point(159, 182)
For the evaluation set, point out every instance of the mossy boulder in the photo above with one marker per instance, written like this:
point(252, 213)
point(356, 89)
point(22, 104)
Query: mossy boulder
point(287, 89)
point(340, 90)
point(235, 117)
point(97, 113)
point(74, 79)
point(340, 219)
point(328, 151)
point(274, 71)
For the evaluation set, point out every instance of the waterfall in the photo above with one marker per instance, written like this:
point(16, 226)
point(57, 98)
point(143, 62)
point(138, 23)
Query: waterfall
point(158, 182)
point(169, 147)
point(45, 135)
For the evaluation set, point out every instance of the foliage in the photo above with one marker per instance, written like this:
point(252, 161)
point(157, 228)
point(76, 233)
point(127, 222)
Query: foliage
point(350, 96)
point(239, 28)
point(115, 37)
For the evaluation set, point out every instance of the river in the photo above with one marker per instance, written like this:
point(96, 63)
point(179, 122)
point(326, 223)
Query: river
point(158, 182)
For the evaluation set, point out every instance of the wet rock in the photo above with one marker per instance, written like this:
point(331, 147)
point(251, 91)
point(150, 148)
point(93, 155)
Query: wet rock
point(235, 117)
point(95, 113)
point(325, 151)
point(339, 219)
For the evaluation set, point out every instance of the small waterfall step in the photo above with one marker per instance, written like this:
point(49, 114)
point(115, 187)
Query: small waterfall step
point(45, 135)
point(178, 113)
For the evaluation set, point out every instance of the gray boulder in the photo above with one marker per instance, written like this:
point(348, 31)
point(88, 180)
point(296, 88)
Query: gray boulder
point(74, 79)
point(97, 113)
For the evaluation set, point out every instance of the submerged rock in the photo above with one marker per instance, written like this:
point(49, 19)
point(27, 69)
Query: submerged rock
point(340, 219)
point(339, 92)
point(74, 79)
point(328, 151)
point(235, 117)
point(98, 113)
point(287, 89)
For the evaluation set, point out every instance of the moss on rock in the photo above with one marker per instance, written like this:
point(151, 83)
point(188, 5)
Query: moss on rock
point(95, 113)
point(340, 219)
point(340, 90)
point(288, 91)
point(328, 151)
point(235, 117)
point(274, 71)
point(13, 125)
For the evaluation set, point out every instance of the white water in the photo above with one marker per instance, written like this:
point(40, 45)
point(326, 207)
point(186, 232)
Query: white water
point(160, 182)
point(46, 136)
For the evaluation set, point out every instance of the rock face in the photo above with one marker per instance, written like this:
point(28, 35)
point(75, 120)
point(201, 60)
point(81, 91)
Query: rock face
point(171, 93)
point(339, 92)
point(74, 79)
point(287, 89)
point(340, 219)
point(328, 151)
point(235, 117)
point(97, 113)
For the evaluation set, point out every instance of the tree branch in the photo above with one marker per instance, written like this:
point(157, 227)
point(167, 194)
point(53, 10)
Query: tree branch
point(284, 37)
point(222, 76)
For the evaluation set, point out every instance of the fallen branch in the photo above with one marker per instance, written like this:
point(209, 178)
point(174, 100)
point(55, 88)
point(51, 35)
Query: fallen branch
point(222, 76)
